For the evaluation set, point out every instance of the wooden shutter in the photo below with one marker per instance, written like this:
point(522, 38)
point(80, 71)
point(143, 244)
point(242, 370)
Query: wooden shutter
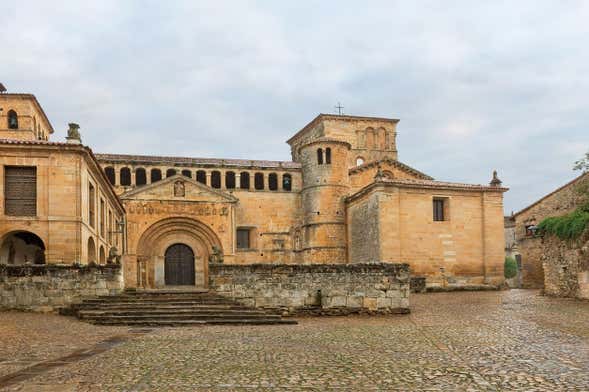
point(20, 191)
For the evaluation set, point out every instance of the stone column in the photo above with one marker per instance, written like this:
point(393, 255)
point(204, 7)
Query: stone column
point(223, 174)
point(117, 170)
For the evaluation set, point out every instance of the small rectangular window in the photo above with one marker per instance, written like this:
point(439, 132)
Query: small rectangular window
point(243, 239)
point(440, 209)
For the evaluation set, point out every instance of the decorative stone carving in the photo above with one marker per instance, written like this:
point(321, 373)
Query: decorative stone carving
point(216, 255)
point(73, 134)
point(379, 176)
point(179, 190)
point(495, 181)
point(113, 256)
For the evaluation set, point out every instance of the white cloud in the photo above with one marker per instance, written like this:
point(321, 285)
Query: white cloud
point(477, 85)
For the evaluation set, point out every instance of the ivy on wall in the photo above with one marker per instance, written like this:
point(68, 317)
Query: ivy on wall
point(574, 224)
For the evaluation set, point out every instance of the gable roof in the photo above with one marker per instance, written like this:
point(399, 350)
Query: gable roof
point(323, 116)
point(392, 162)
point(144, 188)
point(573, 181)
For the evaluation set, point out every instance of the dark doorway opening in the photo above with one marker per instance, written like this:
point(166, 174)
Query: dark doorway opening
point(179, 266)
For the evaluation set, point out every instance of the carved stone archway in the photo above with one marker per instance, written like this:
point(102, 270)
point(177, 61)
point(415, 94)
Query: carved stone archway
point(154, 242)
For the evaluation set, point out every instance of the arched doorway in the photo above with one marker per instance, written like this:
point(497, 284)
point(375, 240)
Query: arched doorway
point(22, 247)
point(156, 243)
point(102, 255)
point(179, 266)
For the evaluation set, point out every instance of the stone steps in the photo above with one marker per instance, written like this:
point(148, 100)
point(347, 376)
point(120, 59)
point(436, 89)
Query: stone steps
point(166, 312)
point(178, 316)
point(180, 323)
point(161, 308)
point(158, 303)
point(169, 308)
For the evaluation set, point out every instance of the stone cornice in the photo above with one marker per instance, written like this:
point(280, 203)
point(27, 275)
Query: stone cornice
point(152, 160)
point(78, 148)
point(423, 184)
point(138, 190)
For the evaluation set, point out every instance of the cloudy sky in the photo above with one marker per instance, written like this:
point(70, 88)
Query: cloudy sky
point(478, 85)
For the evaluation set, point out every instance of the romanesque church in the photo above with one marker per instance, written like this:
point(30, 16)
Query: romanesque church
point(343, 197)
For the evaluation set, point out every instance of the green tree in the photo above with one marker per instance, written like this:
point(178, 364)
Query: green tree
point(510, 267)
point(582, 164)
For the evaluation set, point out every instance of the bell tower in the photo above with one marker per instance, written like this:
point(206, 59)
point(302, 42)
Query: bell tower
point(325, 187)
point(22, 117)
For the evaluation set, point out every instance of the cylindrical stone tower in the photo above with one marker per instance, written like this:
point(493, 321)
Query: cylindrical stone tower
point(325, 186)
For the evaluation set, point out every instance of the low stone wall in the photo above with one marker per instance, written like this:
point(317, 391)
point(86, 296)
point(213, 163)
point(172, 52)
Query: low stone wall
point(48, 287)
point(316, 289)
point(566, 268)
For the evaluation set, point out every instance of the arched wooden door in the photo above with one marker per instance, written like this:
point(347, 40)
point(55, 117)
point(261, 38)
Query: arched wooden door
point(179, 265)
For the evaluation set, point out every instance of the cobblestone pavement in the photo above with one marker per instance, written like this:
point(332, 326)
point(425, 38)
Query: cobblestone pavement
point(29, 338)
point(484, 341)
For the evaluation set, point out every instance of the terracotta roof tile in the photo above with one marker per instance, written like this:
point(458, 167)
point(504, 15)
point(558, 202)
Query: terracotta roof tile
point(392, 162)
point(441, 184)
point(150, 159)
point(72, 146)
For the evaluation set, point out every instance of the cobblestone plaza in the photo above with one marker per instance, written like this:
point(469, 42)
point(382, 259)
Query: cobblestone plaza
point(470, 341)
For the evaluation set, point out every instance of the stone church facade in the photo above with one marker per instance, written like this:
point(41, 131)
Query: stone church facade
point(343, 198)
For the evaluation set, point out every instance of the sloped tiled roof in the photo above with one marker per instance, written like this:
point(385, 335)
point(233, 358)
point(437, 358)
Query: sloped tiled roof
point(392, 162)
point(425, 184)
point(573, 181)
point(70, 146)
point(186, 161)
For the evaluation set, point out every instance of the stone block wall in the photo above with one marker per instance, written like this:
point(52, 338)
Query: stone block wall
point(566, 267)
point(46, 288)
point(317, 289)
point(559, 202)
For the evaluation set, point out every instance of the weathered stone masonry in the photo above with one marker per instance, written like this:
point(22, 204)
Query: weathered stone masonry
point(327, 288)
point(49, 287)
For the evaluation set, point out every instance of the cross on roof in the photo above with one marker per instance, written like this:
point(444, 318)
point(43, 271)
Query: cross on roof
point(339, 108)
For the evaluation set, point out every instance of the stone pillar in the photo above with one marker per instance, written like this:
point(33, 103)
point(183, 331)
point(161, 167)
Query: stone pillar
point(237, 180)
point(133, 183)
point(117, 170)
point(266, 187)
